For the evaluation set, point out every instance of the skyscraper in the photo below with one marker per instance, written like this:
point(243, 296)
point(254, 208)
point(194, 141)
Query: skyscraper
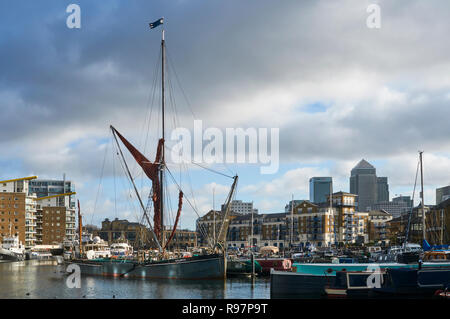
point(382, 189)
point(406, 199)
point(369, 188)
point(442, 194)
point(319, 189)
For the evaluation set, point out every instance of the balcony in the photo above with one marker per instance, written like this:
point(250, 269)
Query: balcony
point(349, 224)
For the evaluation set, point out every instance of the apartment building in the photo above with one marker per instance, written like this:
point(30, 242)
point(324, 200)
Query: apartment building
point(378, 226)
point(18, 210)
point(209, 225)
point(351, 225)
point(55, 219)
point(308, 224)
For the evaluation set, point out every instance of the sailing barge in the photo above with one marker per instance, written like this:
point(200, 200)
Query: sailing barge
point(207, 266)
point(199, 267)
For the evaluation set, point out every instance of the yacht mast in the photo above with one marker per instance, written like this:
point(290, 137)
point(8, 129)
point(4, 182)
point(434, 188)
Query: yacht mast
point(251, 240)
point(214, 215)
point(80, 229)
point(422, 195)
point(291, 230)
point(332, 213)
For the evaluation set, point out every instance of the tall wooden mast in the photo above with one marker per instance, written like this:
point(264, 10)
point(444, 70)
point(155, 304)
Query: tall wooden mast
point(163, 100)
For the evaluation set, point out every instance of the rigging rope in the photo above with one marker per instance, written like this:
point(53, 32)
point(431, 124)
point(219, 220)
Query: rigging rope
point(179, 82)
point(214, 171)
point(100, 183)
point(203, 231)
point(412, 206)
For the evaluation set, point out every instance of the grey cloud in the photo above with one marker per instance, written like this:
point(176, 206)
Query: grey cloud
point(57, 79)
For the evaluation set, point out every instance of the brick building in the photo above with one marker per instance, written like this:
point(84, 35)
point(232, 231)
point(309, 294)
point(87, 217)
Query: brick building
point(18, 211)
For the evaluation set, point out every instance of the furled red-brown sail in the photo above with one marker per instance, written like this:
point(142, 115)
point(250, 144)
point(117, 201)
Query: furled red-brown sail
point(180, 204)
point(151, 170)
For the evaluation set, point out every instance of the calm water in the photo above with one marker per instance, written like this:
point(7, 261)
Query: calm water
point(46, 279)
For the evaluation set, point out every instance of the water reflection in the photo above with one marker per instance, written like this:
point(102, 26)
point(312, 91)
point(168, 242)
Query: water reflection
point(47, 279)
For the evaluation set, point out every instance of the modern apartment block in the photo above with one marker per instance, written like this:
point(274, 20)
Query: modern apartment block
point(241, 207)
point(369, 188)
point(56, 219)
point(378, 226)
point(18, 211)
point(268, 230)
point(351, 226)
point(50, 187)
point(294, 203)
point(319, 189)
point(314, 225)
point(442, 194)
point(209, 225)
point(308, 224)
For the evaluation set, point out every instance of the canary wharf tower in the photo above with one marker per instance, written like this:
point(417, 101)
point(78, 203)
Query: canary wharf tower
point(365, 183)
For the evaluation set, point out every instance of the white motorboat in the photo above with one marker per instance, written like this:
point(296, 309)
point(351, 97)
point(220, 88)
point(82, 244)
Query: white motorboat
point(12, 249)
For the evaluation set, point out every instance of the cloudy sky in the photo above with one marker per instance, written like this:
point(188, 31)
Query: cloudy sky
point(337, 90)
